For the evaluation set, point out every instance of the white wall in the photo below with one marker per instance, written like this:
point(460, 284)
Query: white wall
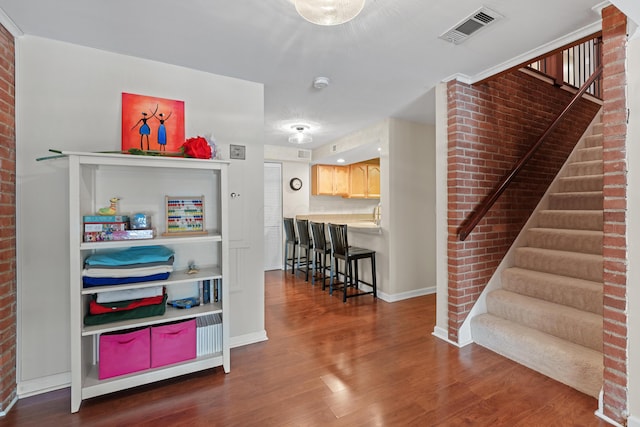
point(441, 235)
point(633, 229)
point(68, 97)
point(411, 207)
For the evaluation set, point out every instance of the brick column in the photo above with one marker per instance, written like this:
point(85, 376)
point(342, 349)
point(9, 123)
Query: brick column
point(7, 221)
point(614, 35)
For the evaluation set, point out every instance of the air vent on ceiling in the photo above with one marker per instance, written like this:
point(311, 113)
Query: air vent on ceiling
point(478, 20)
point(304, 154)
point(334, 148)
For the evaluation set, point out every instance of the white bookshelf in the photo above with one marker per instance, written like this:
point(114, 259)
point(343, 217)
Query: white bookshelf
point(141, 183)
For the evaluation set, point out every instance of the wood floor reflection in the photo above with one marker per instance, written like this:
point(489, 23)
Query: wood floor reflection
point(363, 363)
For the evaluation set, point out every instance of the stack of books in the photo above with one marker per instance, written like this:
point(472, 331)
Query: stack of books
point(102, 228)
point(208, 334)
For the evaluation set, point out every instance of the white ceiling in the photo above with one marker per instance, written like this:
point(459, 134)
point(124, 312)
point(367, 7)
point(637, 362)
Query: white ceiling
point(384, 63)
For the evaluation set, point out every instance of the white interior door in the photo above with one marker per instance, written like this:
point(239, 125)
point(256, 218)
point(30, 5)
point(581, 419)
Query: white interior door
point(272, 216)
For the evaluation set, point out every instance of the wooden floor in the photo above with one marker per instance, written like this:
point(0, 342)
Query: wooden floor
point(363, 363)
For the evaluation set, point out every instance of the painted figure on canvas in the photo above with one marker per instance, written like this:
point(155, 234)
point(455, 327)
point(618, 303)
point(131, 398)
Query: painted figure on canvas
point(144, 130)
point(162, 131)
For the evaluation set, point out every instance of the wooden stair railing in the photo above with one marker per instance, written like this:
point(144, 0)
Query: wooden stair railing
point(489, 201)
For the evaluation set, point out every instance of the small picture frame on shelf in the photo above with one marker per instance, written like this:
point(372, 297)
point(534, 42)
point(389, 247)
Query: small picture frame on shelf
point(185, 215)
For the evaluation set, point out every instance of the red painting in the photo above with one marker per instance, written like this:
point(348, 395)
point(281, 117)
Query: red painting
point(152, 124)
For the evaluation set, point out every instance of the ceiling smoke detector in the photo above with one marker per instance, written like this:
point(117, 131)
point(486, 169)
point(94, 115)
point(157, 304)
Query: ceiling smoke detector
point(321, 82)
point(478, 20)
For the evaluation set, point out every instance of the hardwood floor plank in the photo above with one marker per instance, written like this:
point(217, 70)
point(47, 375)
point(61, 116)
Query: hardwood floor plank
point(363, 363)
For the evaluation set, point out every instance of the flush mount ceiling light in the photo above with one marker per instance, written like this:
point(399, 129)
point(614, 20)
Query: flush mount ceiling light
point(321, 82)
point(300, 137)
point(329, 12)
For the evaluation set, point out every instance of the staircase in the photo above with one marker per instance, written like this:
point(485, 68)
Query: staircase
point(548, 313)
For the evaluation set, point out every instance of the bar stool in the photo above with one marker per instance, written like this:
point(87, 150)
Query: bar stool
point(304, 242)
point(321, 248)
point(290, 240)
point(340, 250)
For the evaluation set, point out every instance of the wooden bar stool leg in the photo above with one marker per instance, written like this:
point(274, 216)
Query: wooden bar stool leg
point(323, 269)
point(373, 275)
point(333, 261)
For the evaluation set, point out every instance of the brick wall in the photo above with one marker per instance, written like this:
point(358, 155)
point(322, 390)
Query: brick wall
point(7, 222)
point(490, 127)
point(614, 34)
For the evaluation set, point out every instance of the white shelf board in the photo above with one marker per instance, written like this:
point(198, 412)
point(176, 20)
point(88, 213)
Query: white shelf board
point(92, 386)
point(176, 277)
point(171, 314)
point(159, 240)
point(122, 159)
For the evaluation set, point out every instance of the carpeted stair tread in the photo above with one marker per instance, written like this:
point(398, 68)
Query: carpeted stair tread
point(571, 364)
point(577, 293)
point(547, 315)
point(578, 326)
point(592, 167)
point(575, 219)
point(583, 241)
point(588, 154)
point(581, 183)
point(563, 263)
point(584, 200)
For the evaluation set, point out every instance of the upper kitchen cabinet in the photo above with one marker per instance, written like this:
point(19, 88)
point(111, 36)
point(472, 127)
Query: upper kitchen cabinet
point(329, 180)
point(364, 180)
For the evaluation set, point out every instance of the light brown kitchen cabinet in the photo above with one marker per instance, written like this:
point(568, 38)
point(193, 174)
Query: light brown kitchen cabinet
point(364, 180)
point(358, 180)
point(329, 180)
point(373, 181)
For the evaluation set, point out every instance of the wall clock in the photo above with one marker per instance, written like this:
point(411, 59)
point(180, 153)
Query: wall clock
point(295, 184)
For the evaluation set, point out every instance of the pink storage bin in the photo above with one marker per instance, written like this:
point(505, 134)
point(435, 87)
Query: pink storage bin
point(173, 343)
point(124, 353)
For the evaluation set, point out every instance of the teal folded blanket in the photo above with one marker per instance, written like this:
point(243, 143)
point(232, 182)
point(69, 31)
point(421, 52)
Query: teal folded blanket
point(133, 255)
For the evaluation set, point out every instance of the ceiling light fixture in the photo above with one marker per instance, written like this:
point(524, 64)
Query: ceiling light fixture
point(300, 137)
point(329, 12)
point(321, 82)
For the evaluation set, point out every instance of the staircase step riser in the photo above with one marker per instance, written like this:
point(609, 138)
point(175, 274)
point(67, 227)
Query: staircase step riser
point(576, 220)
point(585, 168)
point(576, 201)
point(581, 183)
point(586, 242)
point(570, 364)
point(588, 154)
point(594, 140)
point(575, 293)
point(579, 327)
point(580, 266)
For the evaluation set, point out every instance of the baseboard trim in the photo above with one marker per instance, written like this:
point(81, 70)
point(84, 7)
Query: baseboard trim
point(391, 298)
point(603, 417)
point(242, 340)
point(600, 414)
point(4, 412)
point(43, 385)
point(442, 334)
point(406, 295)
point(633, 421)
